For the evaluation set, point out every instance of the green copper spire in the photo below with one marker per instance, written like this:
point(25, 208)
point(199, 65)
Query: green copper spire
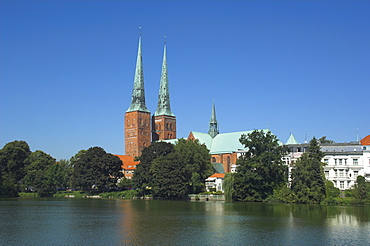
point(213, 126)
point(163, 107)
point(291, 139)
point(138, 95)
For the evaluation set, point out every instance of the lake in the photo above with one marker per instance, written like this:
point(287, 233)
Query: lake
point(48, 221)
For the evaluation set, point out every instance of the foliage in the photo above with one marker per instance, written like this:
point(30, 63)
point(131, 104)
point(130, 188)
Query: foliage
point(324, 140)
point(96, 168)
point(74, 194)
point(283, 194)
point(360, 188)
point(13, 158)
point(197, 163)
point(40, 173)
point(228, 185)
point(169, 176)
point(125, 183)
point(142, 178)
point(127, 194)
point(260, 170)
point(331, 190)
point(28, 195)
point(308, 180)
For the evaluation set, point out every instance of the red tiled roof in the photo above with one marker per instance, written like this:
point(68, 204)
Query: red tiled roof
point(128, 162)
point(218, 175)
point(365, 140)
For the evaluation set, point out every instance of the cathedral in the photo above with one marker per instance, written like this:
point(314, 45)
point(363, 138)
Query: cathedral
point(142, 128)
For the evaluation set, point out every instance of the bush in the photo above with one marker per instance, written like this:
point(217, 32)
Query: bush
point(127, 194)
point(76, 194)
point(28, 194)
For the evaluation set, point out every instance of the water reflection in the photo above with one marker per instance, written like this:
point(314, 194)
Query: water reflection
point(152, 222)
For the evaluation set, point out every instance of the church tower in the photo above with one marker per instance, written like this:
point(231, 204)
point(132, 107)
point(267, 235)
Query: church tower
point(137, 117)
point(163, 120)
point(213, 125)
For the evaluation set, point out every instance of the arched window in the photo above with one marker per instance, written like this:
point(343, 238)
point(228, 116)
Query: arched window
point(228, 160)
point(213, 159)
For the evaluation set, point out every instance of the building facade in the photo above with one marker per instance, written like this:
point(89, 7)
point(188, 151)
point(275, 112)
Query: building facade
point(343, 161)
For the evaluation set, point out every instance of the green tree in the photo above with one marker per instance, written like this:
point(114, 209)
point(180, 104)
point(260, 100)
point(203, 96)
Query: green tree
point(324, 140)
point(142, 178)
point(60, 174)
point(196, 159)
point(260, 170)
point(308, 180)
point(97, 168)
point(38, 174)
point(360, 188)
point(13, 158)
point(228, 185)
point(169, 176)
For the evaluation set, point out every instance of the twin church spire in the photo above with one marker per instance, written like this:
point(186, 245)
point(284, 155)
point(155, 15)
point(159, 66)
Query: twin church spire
point(138, 94)
point(140, 128)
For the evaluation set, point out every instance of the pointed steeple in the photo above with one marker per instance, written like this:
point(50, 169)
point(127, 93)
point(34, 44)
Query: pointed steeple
point(138, 95)
point(163, 107)
point(291, 139)
point(213, 125)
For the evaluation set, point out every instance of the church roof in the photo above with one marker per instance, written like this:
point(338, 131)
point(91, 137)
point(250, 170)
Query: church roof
point(163, 107)
point(291, 140)
point(222, 142)
point(138, 95)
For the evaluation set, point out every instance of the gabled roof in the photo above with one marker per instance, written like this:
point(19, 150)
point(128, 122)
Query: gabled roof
point(291, 140)
point(223, 142)
point(128, 162)
point(365, 140)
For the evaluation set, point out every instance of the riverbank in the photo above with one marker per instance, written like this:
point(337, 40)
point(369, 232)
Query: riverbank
point(132, 194)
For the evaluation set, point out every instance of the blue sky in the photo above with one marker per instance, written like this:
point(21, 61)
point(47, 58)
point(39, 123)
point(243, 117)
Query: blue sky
point(67, 68)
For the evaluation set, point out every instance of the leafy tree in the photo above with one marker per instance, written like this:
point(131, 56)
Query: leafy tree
point(260, 170)
point(228, 185)
point(169, 179)
point(308, 180)
point(324, 140)
point(38, 172)
point(60, 174)
point(97, 168)
point(142, 178)
point(360, 188)
point(76, 157)
point(197, 163)
point(12, 163)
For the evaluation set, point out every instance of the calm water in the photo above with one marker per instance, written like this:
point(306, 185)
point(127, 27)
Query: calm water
point(153, 222)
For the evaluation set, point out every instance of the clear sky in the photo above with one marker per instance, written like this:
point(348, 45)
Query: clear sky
point(67, 68)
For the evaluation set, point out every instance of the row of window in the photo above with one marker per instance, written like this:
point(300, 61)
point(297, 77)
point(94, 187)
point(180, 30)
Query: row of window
point(340, 161)
point(141, 122)
point(169, 127)
point(342, 173)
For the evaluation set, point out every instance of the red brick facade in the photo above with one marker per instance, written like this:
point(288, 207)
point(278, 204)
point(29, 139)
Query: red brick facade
point(164, 127)
point(137, 132)
point(226, 160)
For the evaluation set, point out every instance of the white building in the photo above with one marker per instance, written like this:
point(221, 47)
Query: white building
point(344, 161)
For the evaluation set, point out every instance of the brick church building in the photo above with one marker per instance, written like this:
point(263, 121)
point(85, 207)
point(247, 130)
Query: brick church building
point(142, 128)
